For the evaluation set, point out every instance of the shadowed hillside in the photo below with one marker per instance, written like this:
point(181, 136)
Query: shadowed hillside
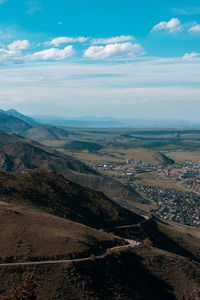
point(143, 273)
point(18, 154)
point(81, 145)
point(12, 124)
point(59, 196)
point(164, 236)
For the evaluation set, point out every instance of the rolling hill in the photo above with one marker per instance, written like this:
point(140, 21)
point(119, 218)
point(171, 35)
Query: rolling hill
point(56, 195)
point(32, 234)
point(16, 114)
point(81, 145)
point(149, 156)
point(17, 154)
point(31, 230)
point(141, 273)
point(13, 124)
point(45, 133)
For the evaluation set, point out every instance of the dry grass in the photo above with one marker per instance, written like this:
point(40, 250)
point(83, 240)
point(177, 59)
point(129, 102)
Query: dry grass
point(184, 156)
point(28, 233)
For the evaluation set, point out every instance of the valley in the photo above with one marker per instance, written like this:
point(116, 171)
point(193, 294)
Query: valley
point(99, 213)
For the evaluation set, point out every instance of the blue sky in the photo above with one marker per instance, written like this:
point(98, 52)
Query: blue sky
point(135, 59)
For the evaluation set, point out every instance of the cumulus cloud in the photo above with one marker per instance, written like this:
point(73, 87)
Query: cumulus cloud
point(65, 40)
point(19, 45)
point(189, 56)
point(172, 26)
point(114, 50)
point(13, 53)
point(195, 28)
point(116, 39)
point(52, 54)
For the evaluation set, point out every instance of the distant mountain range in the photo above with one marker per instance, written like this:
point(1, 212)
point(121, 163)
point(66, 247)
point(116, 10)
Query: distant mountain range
point(102, 122)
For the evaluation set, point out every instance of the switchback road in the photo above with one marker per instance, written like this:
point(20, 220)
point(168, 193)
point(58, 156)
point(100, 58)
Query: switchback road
point(130, 243)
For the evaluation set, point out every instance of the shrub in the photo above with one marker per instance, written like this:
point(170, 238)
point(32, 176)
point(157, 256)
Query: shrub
point(24, 291)
point(92, 257)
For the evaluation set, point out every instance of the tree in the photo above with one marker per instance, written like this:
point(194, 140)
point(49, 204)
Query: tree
point(24, 291)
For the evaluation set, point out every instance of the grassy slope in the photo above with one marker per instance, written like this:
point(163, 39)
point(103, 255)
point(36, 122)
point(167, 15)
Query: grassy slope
point(55, 194)
point(44, 132)
point(28, 234)
point(145, 273)
point(166, 237)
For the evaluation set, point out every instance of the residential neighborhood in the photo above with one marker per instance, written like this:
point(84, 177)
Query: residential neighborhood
point(174, 205)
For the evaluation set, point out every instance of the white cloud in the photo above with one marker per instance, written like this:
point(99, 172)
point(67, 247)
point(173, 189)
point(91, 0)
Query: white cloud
point(116, 39)
point(189, 56)
point(170, 82)
point(65, 40)
point(19, 45)
point(52, 54)
point(9, 55)
point(172, 26)
point(195, 28)
point(114, 50)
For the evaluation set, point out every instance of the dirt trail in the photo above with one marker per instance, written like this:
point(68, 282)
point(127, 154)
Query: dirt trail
point(131, 243)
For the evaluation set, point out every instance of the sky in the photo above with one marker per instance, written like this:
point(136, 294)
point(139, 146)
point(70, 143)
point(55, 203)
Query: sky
point(122, 59)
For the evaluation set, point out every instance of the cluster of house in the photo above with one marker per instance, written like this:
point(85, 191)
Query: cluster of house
point(130, 168)
point(193, 184)
point(189, 170)
point(174, 205)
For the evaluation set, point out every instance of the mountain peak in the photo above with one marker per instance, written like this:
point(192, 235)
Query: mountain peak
point(14, 113)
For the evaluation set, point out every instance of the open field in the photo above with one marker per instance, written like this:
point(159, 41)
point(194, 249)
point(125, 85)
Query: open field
point(97, 145)
point(155, 179)
point(184, 156)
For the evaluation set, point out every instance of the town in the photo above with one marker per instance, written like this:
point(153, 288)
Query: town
point(174, 205)
point(130, 168)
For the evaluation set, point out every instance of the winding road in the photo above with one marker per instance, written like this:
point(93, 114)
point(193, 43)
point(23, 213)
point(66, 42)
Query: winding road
point(130, 243)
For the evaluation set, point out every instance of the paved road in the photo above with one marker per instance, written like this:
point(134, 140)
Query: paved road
point(130, 243)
